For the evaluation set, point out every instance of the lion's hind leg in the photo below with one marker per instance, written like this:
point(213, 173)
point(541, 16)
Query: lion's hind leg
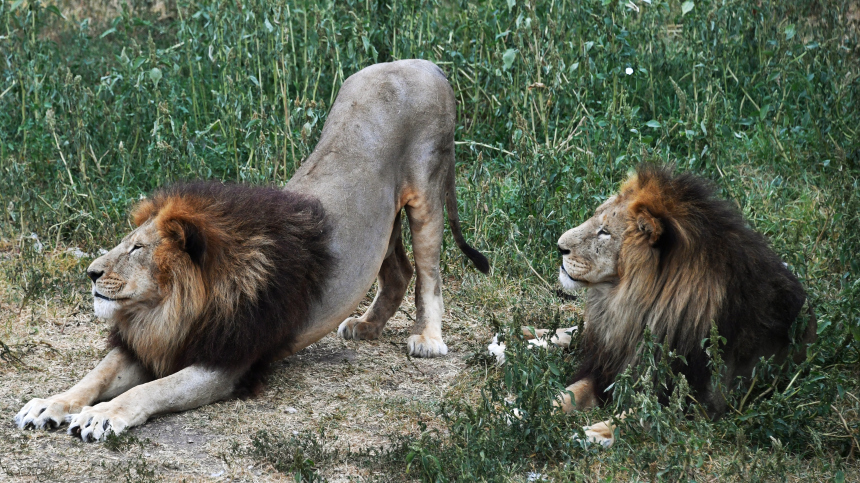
point(393, 279)
point(426, 223)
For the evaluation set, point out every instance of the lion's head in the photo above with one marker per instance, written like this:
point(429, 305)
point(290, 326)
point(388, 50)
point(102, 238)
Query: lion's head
point(124, 275)
point(152, 286)
point(628, 230)
point(208, 259)
point(590, 251)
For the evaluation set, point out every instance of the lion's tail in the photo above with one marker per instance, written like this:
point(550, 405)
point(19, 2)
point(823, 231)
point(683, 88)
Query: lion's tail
point(477, 258)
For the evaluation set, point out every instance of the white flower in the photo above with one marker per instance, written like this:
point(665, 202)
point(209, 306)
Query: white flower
point(628, 71)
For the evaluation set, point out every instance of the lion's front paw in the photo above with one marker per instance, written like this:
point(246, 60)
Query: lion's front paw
point(354, 328)
point(421, 346)
point(602, 433)
point(43, 413)
point(95, 423)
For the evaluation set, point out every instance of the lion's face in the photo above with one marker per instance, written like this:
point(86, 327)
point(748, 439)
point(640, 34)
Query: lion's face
point(590, 251)
point(126, 275)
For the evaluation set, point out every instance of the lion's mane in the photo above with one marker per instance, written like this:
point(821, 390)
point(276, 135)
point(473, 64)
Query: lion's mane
point(237, 267)
point(687, 260)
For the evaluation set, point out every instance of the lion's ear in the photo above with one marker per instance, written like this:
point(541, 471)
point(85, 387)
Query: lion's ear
point(188, 236)
point(650, 226)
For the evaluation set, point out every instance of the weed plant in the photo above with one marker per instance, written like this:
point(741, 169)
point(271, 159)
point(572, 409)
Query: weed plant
point(557, 101)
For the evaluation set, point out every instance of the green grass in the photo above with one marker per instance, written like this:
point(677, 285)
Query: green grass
point(761, 97)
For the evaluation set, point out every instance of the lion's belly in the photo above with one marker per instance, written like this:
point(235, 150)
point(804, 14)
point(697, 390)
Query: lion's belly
point(361, 223)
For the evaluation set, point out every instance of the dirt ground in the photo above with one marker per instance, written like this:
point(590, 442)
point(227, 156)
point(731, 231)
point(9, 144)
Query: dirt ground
point(359, 392)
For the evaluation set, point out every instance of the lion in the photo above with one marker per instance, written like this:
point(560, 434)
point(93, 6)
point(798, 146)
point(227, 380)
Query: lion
point(666, 254)
point(217, 281)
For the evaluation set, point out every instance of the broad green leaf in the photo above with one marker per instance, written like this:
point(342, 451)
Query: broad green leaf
point(155, 75)
point(686, 7)
point(509, 57)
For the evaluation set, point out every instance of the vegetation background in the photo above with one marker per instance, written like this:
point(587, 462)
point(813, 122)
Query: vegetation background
point(558, 101)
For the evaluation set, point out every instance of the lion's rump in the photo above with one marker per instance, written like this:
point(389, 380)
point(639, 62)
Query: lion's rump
point(707, 267)
point(238, 267)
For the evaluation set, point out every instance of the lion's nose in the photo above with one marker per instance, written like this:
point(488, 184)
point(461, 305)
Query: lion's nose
point(94, 274)
point(563, 251)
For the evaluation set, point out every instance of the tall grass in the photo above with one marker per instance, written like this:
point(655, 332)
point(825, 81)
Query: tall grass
point(557, 101)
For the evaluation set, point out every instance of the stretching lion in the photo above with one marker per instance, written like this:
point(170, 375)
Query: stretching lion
point(217, 281)
point(667, 255)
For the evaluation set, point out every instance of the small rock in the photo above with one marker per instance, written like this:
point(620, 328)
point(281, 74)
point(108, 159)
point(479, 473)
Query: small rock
point(77, 253)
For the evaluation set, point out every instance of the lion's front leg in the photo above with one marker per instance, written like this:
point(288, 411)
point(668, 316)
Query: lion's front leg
point(189, 388)
point(583, 396)
point(115, 374)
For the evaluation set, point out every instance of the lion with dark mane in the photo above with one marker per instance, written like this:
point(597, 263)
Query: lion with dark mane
point(217, 281)
point(667, 255)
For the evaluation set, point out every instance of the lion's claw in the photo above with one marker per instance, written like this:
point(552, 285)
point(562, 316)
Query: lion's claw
point(41, 414)
point(355, 328)
point(96, 423)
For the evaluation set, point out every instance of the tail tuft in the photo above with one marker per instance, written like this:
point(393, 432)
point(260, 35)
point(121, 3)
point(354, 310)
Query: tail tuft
point(480, 261)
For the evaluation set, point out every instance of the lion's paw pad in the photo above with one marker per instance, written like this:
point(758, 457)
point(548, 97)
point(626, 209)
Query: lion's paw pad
point(421, 346)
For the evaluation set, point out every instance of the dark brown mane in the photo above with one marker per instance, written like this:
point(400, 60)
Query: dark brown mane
point(688, 259)
point(240, 266)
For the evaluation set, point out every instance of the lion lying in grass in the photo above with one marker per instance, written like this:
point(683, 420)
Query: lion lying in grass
point(217, 281)
point(666, 254)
